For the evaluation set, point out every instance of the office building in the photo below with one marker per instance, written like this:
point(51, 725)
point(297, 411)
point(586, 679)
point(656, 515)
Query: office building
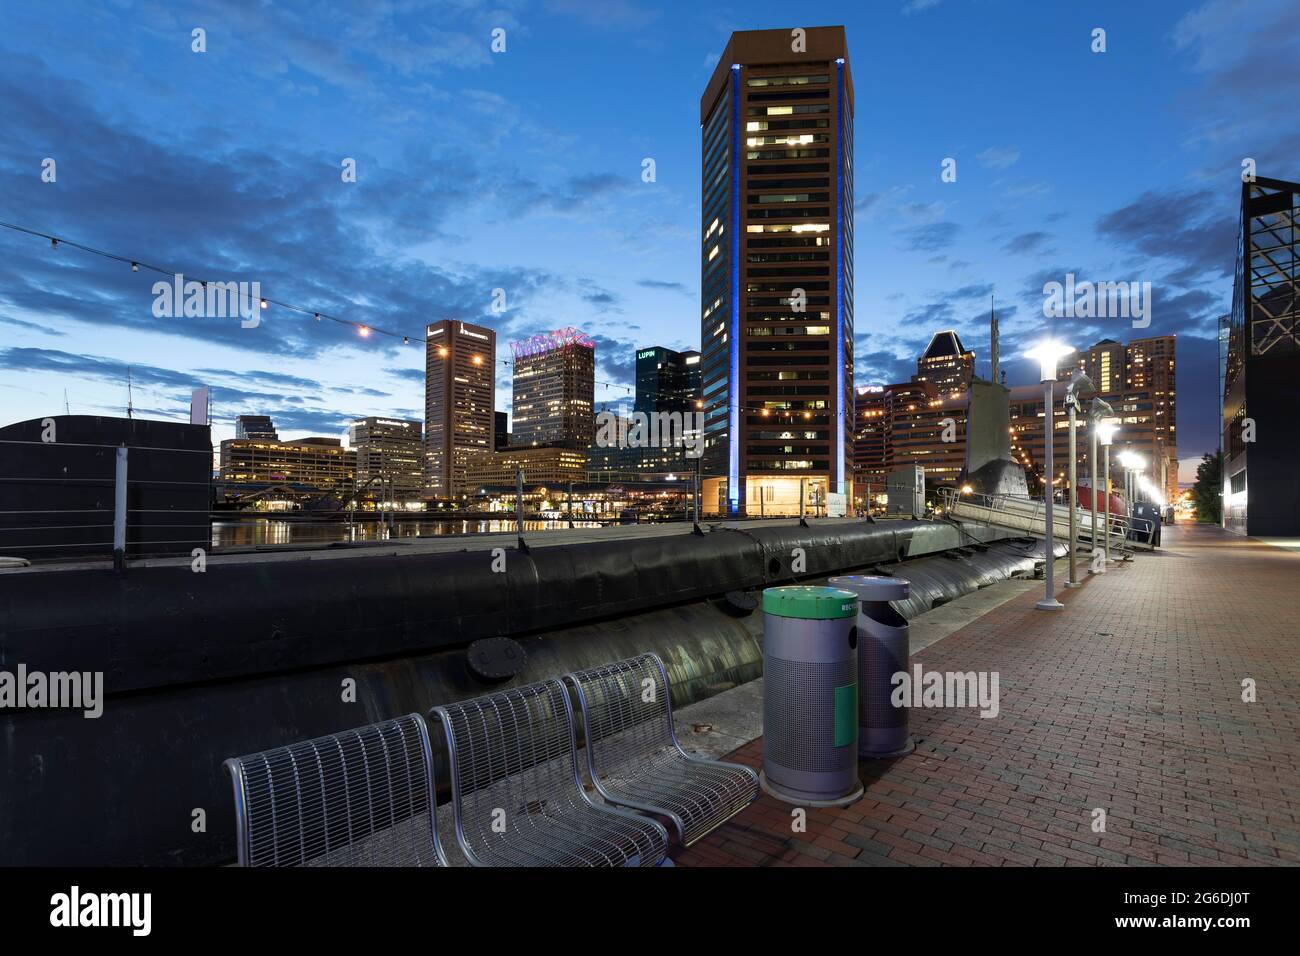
point(543, 465)
point(776, 262)
point(666, 380)
point(256, 426)
point(554, 390)
point(390, 458)
point(319, 463)
point(1261, 437)
point(501, 431)
point(909, 423)
point(1141, 374)
point(946, 363)
point(459, 400)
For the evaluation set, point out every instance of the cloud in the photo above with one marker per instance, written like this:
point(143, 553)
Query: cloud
point(666, 286)
point(917, 6)
point(999, 157)
point(1027, 244)
point(932, 237)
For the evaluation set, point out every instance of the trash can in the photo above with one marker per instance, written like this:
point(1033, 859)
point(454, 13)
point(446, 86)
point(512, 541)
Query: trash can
point(810, 696)
point(883, 635)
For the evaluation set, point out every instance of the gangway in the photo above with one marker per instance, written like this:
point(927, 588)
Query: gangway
point(1022, 513)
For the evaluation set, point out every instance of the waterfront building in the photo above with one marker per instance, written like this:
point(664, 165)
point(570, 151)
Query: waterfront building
point(551, 464)
point(390, 457)
point(459, 401)
point(946, 363)
point(1261, 438)
point(776, 264)
point(320, 463)
point(554, 390)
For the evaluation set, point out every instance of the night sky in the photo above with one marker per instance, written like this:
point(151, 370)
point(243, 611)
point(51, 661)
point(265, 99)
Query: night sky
point(522, 171)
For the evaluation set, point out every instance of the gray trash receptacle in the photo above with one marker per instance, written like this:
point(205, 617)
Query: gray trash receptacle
point(883, 635)
point(810, 703)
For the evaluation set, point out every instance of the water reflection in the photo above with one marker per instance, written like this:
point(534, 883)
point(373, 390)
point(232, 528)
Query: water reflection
point(251, 532)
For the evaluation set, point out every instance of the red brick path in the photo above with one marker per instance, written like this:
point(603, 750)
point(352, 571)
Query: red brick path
point(1129, 700)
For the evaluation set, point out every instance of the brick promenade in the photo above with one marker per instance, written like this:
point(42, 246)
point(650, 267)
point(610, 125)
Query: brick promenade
point(1129, 700)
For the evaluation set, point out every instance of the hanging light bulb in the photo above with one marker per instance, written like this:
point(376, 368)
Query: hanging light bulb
point(406, 340)
point(54, 243)
point(317, 314)
point(135, 267)
point(363, 330)
point(264, 304)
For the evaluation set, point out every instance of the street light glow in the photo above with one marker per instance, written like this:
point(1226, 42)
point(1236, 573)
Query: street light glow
point(1106, 431)
point(1046, 354)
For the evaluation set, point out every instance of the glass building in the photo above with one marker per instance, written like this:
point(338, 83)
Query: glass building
point(1261, 401)
point(776, 262)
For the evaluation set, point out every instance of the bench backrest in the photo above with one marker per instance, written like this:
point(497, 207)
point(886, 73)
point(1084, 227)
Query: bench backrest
point(627, 710)
point(362, 797)
point(512, 756)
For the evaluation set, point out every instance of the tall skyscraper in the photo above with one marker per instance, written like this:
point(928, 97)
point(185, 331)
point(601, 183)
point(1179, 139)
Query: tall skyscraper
point(666, 381)
point(947, 363)
point(1261, 441)
point(390, 457)
point(256, 426)
point(776, 261)
point(459, 398)
point(554, 390)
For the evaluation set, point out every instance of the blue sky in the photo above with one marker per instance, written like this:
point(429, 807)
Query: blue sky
point(522, 171)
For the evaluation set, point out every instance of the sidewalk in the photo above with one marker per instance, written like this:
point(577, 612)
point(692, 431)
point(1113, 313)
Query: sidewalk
point(1128, 701)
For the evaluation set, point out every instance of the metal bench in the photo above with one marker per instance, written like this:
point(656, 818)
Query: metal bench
point(362, 797)
point(516, 794)
point(635, 759)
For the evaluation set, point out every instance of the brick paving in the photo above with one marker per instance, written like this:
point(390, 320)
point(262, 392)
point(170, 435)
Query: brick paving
point(1129, 700)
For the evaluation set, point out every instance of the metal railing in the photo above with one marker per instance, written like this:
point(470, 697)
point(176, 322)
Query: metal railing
point(1021, 512)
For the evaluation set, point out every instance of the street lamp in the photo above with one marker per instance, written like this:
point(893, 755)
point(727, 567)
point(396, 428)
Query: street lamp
point(1047, 354)
point(1078, 381)
point(1106, 434)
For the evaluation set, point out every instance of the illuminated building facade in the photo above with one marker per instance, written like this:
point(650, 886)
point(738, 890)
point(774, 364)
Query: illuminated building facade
point(459, 399)
point(946, 363)
point(549, 465)
point(554, 390)
point(390, 457)
point(776, 262)
point(321, 463)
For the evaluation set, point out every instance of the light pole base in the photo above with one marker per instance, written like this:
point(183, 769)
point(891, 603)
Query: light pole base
point(1074, 584)
point(1050, 604)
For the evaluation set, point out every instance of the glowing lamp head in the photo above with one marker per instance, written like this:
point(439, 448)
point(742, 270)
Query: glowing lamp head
point(1047, 354)
point(1106, 431)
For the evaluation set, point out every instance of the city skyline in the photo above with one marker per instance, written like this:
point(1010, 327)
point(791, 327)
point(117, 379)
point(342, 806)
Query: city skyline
point(428, 233)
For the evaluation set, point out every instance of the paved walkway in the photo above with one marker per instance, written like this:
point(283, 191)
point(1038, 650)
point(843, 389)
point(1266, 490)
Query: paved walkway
point(1128, 701)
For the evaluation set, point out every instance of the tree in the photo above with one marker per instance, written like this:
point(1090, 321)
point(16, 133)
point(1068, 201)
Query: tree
point(1207, 493)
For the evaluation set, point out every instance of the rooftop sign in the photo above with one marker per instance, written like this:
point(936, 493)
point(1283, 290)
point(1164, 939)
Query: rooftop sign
point(550, 341)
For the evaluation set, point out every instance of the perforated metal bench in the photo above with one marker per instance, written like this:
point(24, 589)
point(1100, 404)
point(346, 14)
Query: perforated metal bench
point(516, 793)
point(635, 759)
point(362, 797)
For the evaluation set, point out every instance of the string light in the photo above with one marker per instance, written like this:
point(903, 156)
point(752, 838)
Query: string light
point(362, 329)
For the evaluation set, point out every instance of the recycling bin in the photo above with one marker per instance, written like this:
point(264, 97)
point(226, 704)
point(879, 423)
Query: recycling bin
point(810, 696)
point(883, 648)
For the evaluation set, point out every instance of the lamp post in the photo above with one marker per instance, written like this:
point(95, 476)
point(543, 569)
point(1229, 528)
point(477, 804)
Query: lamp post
point(1078, 381)
point(1106, 434)
point(1047, 354)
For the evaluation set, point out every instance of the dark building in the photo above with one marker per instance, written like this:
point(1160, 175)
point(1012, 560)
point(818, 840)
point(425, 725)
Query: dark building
point(59, 496)
point(666, 381)
point(1261, 401)
point(500, 431)
point(554, 390)
point(459, 401)
point(776, 263)
point(946, 363)
point(256, 426)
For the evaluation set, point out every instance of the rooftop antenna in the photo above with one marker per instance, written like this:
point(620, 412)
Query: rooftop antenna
point(993, 337)
point(130, 402)
point(66, 409)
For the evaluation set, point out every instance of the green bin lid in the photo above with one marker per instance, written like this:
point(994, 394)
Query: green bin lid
point(810, 603)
